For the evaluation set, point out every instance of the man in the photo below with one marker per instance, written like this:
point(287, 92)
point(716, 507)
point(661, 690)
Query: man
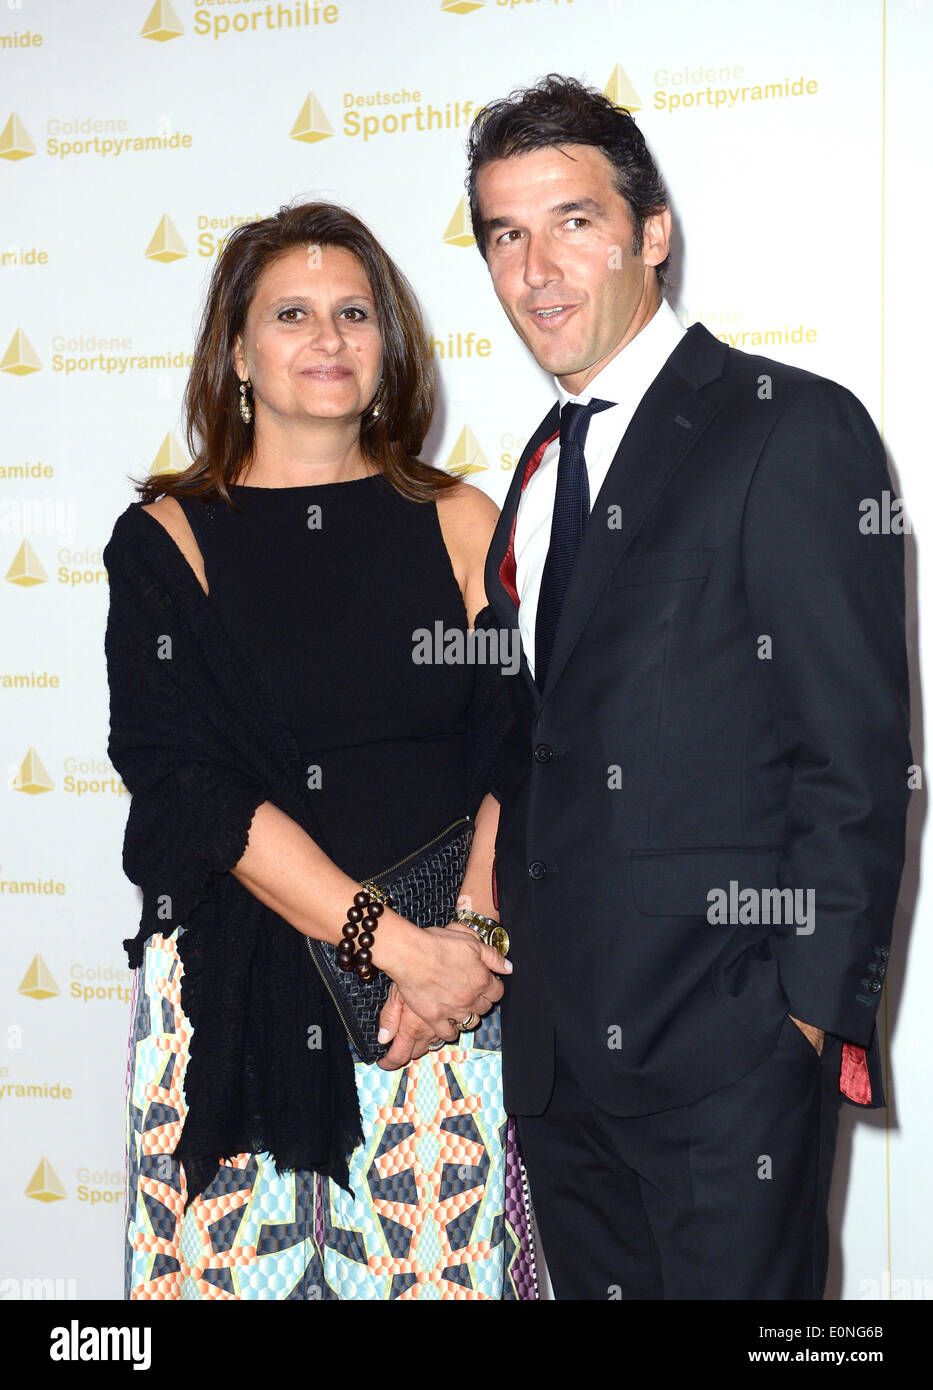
point(701, 832)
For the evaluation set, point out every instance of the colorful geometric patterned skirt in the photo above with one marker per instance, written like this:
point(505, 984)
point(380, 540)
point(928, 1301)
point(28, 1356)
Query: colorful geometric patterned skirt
point(440, 1208)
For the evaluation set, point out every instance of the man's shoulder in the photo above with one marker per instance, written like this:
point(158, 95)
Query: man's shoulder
point(763, 405)
point(743, 368)
point(767, 389)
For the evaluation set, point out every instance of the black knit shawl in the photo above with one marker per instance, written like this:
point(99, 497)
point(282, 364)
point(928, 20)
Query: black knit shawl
point(200, 744)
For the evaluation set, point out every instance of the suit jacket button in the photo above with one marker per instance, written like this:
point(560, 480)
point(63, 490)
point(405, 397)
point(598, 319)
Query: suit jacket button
point(537, 869)
point(544, 752)
point(875, 985)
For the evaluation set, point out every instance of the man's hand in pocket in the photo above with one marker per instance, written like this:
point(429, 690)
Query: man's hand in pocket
point(813, 1035)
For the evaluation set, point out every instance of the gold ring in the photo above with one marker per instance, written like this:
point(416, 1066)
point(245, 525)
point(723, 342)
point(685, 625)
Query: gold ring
point(469, 1023)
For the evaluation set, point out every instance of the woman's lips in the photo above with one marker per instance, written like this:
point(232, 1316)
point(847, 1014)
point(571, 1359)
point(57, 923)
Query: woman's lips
point(327, 373)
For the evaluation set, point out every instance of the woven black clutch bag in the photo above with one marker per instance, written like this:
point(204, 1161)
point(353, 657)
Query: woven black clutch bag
point(424, 887)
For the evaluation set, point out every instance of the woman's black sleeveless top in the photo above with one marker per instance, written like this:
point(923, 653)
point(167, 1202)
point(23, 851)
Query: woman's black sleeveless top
point(324, 588)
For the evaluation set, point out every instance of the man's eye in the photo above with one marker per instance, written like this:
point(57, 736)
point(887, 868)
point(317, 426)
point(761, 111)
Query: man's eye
point(507, 236)
point(583, 221)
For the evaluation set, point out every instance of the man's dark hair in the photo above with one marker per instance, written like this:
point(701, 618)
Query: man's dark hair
point(563, 111)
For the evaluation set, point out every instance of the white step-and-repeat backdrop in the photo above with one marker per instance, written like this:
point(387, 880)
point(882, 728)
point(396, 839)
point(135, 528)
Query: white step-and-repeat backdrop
point(133, 137)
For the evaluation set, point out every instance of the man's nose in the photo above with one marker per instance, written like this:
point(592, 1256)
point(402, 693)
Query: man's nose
point(541, 266)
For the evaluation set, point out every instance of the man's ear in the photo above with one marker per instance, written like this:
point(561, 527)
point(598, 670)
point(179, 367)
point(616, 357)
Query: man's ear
point(656, 237)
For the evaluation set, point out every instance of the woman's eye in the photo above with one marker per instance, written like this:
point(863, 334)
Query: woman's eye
point(354, 312)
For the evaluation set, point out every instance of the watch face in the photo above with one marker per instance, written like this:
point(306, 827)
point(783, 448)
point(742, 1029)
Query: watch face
point(499, 938)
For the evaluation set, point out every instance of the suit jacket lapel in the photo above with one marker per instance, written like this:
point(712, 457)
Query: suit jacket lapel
point(500, 568)
point(665, 427)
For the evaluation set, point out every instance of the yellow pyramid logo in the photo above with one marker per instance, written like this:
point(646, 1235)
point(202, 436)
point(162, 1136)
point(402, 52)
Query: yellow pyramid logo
point(461, 6)
point(15, 142)
point(45, 1185)
point(620, 91)
point(171, 457)
point(466, 456)
point(32, 777)
point(163, 23)
point(26, 568)
point(459, 230)
point(38, 982)
point(20, 357)
point(166, 244)
point(311, 124)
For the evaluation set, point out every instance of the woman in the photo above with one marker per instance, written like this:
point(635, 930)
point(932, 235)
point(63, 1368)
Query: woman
point(282, 747)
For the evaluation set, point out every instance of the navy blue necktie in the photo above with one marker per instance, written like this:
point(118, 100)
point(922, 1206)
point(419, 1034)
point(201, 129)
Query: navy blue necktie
point(571, 513)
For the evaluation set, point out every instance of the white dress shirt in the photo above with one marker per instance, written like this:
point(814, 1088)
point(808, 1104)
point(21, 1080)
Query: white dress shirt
point(623, 380)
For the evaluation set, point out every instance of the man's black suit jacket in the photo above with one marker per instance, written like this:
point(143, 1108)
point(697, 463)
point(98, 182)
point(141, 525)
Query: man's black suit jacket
point(726, 704)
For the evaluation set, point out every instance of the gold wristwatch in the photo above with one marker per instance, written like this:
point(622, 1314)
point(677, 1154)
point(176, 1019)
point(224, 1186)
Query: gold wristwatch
point(487, 928)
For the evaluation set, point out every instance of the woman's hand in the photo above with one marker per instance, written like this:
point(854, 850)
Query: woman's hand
point(410, 1036)
point(449, 974)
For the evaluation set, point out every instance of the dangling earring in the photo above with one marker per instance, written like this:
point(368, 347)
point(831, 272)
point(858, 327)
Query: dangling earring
point(375, 408)
point(246, 410)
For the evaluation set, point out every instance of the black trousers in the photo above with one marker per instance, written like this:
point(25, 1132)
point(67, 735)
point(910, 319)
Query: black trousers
point(724, 1198)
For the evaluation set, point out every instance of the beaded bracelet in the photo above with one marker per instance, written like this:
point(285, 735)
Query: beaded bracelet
point(355, 950)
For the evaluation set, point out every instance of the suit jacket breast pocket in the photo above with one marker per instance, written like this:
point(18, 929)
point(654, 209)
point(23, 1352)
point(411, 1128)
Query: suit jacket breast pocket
point(662, 566)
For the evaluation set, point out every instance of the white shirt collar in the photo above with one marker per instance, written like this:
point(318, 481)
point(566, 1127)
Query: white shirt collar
point(628, 375)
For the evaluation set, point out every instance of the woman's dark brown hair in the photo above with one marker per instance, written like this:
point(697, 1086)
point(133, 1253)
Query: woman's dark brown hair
point(220, 443)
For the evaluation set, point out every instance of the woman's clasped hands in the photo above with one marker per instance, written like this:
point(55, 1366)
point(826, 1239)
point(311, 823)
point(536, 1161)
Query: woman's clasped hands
point(436, 989)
